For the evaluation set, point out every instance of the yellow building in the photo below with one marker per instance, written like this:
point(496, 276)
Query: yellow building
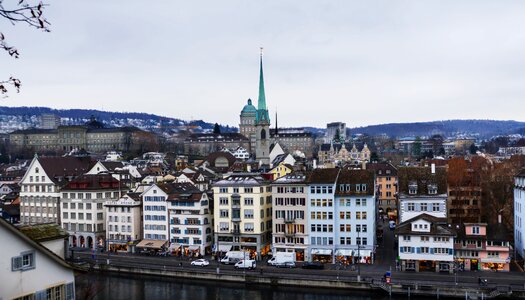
point(243, 214)
point(281, 170)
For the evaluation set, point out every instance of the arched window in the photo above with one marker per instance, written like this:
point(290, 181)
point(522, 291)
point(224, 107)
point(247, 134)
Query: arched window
point(37, 170)
point(263, 134)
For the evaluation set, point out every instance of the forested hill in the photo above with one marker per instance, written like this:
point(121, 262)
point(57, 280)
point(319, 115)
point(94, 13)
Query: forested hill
point(482, 128)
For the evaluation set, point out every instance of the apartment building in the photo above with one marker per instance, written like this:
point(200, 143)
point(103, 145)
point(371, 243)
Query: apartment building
point(387, 187)
point(519, 213)
point(124, 222)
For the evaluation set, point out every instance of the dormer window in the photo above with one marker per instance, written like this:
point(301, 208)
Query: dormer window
point(37, 170)
point(388, 171)
point(412, 188)
point(357, 188)
point(432, 189)
point(363, 187)
point(475, 230)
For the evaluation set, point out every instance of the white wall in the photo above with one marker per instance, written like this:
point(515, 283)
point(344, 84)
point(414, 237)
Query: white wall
point(56, 246)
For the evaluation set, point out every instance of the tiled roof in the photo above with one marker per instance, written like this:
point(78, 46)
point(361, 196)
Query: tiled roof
point(292, 178)
point(242, 179)
point(323, 176)
point(422, 176)
point(44, 232)
point(498, 232)
point(59, 167)
point(354, 177)
point(381, 168)
point(93, 182)
point(181, 191)
point(521, 173)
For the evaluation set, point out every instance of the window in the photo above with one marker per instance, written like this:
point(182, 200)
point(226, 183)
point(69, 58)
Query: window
point(26, 261)
point(435, 206)
point(424, 239)
point(248, 201)
point(223, 213)
point(406, 238)
point(248, 213)
point(424, 207)
point(475, 230)
point(223, 201)
point(411, 206)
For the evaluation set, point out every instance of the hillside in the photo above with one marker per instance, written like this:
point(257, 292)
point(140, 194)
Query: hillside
point(448, 128)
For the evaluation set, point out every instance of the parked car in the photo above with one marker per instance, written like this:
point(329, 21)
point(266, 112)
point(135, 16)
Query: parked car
point(286, 264)
point(313, 265)
point(200, 262)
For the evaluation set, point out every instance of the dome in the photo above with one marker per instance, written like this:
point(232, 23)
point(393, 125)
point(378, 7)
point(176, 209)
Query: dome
point(249, 108)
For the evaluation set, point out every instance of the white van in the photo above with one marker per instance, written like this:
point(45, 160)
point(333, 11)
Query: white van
point(245, 264)
point(281, 258)
point(232, 257)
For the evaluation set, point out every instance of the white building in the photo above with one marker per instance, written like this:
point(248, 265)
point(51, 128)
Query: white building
point(190, 219)
point(155, 217)
point(83, 213)
point(355, 217)
point(519, 213)
point(320, 203)
point(40, 187)
point(426, 243)
point(422, 190)
point(290, 216)
point(124, 222)
point(31, 271)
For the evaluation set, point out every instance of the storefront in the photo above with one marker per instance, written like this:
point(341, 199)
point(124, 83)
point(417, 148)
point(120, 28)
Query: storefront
point(344, 256)
point(322, 255)
point(495, 264)
point(152, 245)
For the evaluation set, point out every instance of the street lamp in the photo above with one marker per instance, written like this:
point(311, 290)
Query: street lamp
point(358, 255)
point(218, 252)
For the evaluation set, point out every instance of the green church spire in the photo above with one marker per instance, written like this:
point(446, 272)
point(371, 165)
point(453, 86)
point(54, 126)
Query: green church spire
point(262, 111)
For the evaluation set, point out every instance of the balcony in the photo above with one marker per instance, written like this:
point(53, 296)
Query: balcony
point(289, 234)
point(289, 220)
point(236, 231)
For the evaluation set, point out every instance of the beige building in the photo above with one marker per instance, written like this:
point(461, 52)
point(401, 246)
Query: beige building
point(387, 183)
point(339, 153)
point(123, 222)
point(290, 215)
point(243, 213)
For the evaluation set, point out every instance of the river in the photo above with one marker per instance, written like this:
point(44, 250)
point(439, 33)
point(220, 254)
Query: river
point(117, 286)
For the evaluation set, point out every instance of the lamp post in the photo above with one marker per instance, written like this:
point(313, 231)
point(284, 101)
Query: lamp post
point(218, 252)
point(358, 255)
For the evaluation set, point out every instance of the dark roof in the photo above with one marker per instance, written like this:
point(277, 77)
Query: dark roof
point(34, 244)
point(34, 131)
point(211, 137)
point(44, 232)
point(114, 129)
point(337, 147)
point(323, 176)
point(279, 159)
point(354, 177)
point(521, 173)
point(58, 167)
point(381, 168)
point(438, 226)
point(181, 191)
point(422, 176)
point(112, 165)
point(93, 182)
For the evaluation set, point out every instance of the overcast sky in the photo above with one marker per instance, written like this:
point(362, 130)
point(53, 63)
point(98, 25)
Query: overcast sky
point(360, 62)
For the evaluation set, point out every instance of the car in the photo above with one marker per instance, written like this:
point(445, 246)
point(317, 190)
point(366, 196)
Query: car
point(313, 265)
point(392, 224)
point(200, 262)
point(286, 264)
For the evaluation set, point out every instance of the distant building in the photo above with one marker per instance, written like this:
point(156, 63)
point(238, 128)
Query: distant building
point(387, 186)
point(294, 139)
point(338, 153)
point(92, 137)
point(203, 144)
point(123, 222)
point(49, 121)
point(334, 130)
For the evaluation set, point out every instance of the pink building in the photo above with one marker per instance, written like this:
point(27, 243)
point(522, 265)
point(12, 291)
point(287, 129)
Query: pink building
point(482, 247)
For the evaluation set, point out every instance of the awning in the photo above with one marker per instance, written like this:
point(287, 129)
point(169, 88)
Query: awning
point(363, 253)
point(495, 260)
point(151, 244)
point(225, 248)
point(194, 247)
point(344, 252)
point(322, 251)
point(174, 246)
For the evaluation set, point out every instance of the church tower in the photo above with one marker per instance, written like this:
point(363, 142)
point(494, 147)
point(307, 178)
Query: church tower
point(262, 124)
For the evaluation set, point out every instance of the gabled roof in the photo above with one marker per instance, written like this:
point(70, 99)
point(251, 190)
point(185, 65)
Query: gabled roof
point(292, 178)
point(181, 191)
point(112, 165)
point(242, 179)
point(521, 173)
point(36, 245)
point(59, 167)
point(498, 232)
point(438, 226)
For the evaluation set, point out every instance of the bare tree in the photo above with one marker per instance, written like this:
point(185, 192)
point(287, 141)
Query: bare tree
point(20, 11)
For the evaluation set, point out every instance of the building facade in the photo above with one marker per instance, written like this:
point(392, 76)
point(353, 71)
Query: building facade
point(83, 213)
point(124, 222)
point(339, 154)
point(519, 213)
point(335, 132)
point(41, 184)
point(290, 216)
point(243, 213)
point(387, 187)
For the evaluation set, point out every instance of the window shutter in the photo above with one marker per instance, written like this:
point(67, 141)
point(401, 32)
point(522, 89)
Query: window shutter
point(400, 249)
point(450, 251)
point(431, 250)
point(418, 249)
point(16, 263)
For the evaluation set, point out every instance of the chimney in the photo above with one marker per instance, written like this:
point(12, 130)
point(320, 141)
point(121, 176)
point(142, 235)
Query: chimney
point(249, 168)
point(433, 168)
point(499, 218)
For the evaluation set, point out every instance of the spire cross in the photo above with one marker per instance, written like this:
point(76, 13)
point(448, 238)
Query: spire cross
point(261, 50)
